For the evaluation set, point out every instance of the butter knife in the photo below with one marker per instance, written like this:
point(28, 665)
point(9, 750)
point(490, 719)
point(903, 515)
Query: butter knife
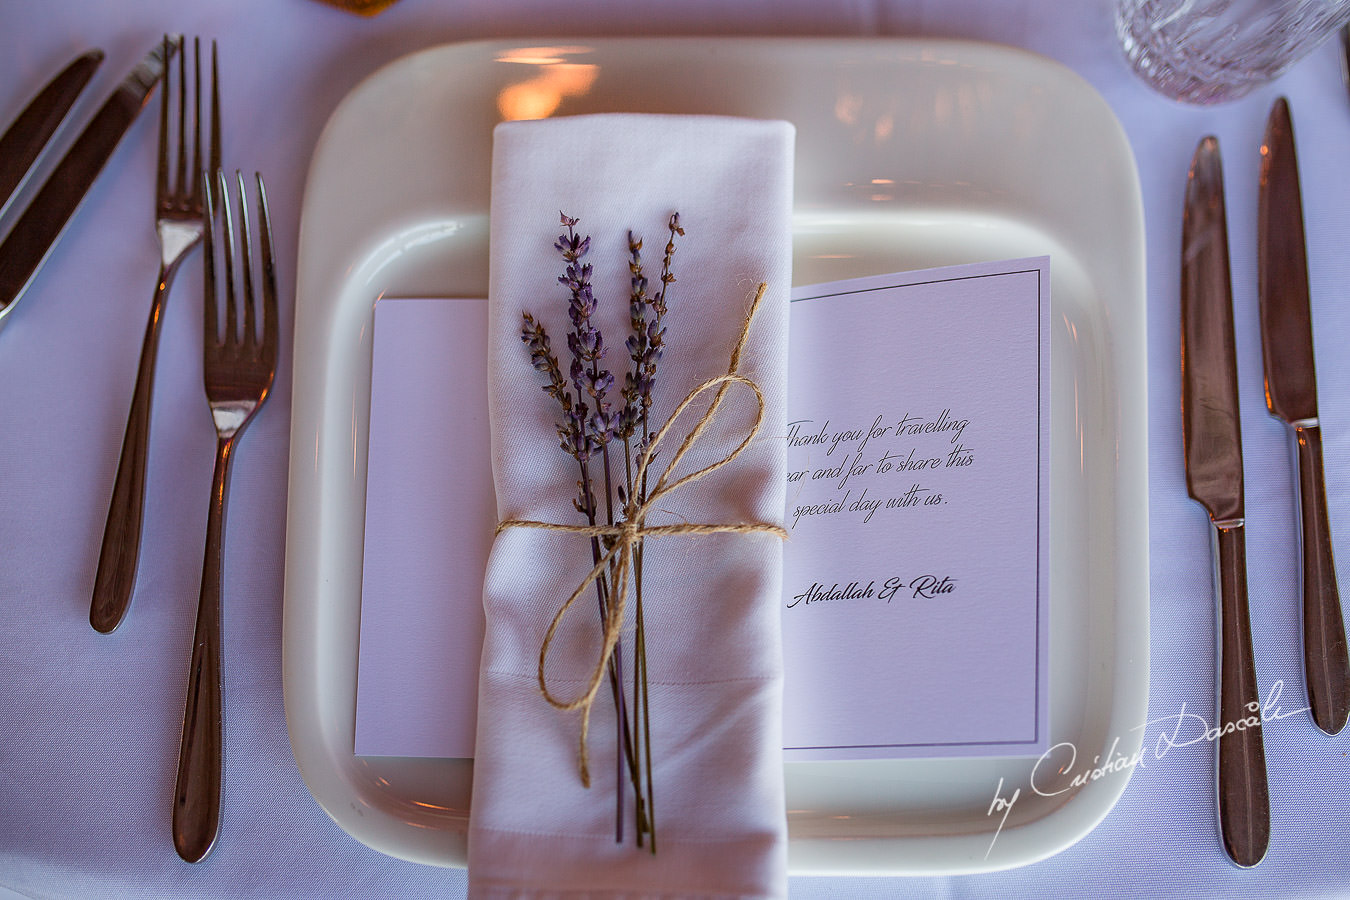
point(24, 140)
point(37, 230)
point(1291, 396)
point(1212, 432)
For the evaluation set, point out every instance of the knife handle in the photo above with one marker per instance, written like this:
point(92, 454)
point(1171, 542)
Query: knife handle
point(1244, 799)
point(120, 552)
point(1326, 665)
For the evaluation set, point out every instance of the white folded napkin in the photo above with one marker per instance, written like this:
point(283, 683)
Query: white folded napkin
point(711, 607)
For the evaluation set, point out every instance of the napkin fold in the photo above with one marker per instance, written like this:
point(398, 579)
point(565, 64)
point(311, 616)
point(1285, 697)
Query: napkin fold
point(711, 601)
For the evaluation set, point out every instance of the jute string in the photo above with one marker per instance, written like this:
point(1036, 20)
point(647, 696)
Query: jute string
point(622, 537)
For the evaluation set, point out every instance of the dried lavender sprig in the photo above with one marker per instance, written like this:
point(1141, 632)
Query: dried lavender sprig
point(638, 303)
point(591, 380)
point(667, 271)
point(647, 344)
point(585, 341)
point(588, 349)
point(645, 347)
point(630, 416)
point(656, 342)
point(571, 429)
point(543, 359)
point(574, 440)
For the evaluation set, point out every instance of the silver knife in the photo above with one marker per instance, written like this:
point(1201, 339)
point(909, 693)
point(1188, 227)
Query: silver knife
point(1291, 396)
point(37, 230)
point(1212, 431)
point(23, 141)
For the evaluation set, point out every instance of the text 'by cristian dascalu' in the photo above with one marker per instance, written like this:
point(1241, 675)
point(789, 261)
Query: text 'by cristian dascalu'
point(924, 587)
point(1058, 770)
point(867, 468)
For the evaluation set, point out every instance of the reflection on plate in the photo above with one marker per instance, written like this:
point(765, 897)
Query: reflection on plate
point(910, 154)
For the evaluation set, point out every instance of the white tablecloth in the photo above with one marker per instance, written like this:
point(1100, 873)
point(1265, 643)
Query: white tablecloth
point(88, 724)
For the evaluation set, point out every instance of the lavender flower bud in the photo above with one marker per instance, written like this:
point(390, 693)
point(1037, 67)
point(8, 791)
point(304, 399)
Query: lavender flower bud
point(586, 342)
point(645, 382)
point(601, 426)
point(599, 382)
point(629, 417)
point(576, 276)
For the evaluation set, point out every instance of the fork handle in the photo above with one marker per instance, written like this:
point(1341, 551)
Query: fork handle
point(120, 552)
point(196, 801)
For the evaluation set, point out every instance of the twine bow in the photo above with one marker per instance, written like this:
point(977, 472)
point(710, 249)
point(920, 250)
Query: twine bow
point(621, 538)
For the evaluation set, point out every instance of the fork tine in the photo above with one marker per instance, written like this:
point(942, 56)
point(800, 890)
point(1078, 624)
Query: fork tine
point(182, 118)
point(162, 176)
point(250, 336)
point(269, 276)
point(210, 312)
point(195, 199)
point(215, 112)
point(231, 317)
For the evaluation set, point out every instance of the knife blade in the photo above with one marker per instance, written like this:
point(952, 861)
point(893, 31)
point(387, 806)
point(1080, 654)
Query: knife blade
point(37, 230)
point(23, 141)
point(1291, 396)
point(1345, 55)
point(1212, 433)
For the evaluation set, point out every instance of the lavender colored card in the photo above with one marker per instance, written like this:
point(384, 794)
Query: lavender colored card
point(429, 518)
point(916, 574)
point(916, 577)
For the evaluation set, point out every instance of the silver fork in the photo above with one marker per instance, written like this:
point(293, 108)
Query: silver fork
point(179, 225)
point(238, 369)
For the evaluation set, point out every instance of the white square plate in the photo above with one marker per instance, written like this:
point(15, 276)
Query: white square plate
point(910, 154)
